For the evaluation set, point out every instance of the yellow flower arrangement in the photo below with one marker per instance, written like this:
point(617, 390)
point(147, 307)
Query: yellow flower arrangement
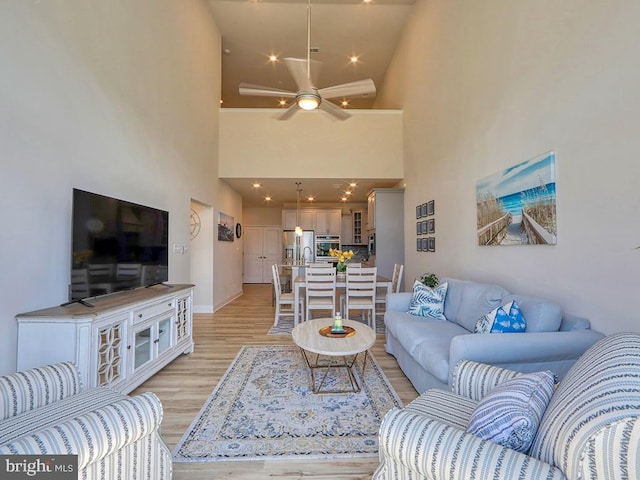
point(343, 258)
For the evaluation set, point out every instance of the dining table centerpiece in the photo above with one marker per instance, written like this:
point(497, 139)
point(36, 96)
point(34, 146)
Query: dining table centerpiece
point(343, 258)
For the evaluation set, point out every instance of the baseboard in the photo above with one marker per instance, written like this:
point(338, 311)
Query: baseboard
point(229, 300)
point(203, 309)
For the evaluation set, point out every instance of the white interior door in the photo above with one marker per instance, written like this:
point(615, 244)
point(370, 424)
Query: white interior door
point(262, 248)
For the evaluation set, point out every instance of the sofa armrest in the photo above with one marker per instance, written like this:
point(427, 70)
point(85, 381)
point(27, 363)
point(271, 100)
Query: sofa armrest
point(474, 380)
point(33, 388)
point(434, 450)
point(521, 348)
point(96, 434)
point(399, 302)
point(572, 322)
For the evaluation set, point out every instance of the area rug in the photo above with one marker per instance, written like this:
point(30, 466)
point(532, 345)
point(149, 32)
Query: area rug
point(263, 409)
point(285, 325)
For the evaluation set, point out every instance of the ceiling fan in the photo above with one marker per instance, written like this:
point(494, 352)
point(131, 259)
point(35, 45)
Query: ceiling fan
point(308, 96)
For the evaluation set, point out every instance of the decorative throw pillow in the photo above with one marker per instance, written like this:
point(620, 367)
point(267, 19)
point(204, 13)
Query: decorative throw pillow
point(428, 302)
point(509, 414)
point(505, 318)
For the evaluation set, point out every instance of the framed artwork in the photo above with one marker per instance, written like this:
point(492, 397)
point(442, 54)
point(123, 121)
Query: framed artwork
point(424, 226)
point(425, 247)
point(225, 227)
point(431, 244)
point(419, 245)
point(431, 208)
point(418, 228)
point(423, 210)
point(431, 226)
point(418, 211)
point(517, 206)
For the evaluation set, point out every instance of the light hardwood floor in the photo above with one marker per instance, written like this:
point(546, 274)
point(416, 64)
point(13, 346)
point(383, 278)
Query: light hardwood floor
point(185, 384)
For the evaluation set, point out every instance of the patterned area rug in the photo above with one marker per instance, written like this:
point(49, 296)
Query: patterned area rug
point(285, 325)
point(263, 409)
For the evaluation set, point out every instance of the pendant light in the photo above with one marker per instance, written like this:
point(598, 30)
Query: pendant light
point(298, 228)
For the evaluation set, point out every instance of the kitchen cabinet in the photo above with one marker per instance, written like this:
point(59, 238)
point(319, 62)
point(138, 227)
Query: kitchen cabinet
point(371, 210)
point(119, 342)
point(307, 219)
point(386, 210)
point(328, 222)
point(358, 228)
point(346, 237)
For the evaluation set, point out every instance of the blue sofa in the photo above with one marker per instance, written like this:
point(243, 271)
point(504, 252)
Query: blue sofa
point(427, 349)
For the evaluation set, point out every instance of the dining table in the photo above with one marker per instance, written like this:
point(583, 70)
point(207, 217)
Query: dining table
point(341, 283)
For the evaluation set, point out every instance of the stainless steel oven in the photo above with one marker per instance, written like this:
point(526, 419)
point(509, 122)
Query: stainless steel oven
point(323, 244)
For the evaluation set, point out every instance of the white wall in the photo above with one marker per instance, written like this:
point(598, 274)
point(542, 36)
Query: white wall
point(201, 256)
point(486, 85)
point(253, 144)
point(118, 98)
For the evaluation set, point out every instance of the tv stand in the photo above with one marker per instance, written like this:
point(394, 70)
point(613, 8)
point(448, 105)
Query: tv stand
point(166, 285)
point(120, 342)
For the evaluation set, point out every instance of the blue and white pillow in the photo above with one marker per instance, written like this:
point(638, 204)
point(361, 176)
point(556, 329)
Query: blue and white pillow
point(506, 318)
point(428, 302)
point(510, 414)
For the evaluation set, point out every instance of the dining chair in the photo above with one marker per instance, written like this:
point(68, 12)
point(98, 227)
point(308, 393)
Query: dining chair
point(320, 290)
point(342, 295)
point(282, 299)
point(360, 293)
point(396, 281)
point(79, 283)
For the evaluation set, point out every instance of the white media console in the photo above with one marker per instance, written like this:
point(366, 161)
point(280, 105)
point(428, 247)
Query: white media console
point(120, 341)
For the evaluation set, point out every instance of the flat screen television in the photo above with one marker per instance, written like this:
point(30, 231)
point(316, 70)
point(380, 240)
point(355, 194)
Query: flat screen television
point(116, 245)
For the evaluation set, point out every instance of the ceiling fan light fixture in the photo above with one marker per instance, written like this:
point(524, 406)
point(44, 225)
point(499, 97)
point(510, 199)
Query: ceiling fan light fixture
point(308, 101)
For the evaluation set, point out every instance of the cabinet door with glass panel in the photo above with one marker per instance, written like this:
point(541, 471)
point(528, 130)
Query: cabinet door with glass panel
point(151, 339)
point(110, 353)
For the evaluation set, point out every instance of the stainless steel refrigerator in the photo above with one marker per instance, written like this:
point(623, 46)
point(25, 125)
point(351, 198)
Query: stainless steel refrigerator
point(298, 250)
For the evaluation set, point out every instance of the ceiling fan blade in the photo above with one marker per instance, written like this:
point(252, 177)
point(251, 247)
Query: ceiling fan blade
point(260, 91)
point(353, 89)
point(298, 69)
point(288, 113)
point(334, 110)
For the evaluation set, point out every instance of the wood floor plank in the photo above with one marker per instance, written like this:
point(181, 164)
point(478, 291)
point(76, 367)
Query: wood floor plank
point(184, 385)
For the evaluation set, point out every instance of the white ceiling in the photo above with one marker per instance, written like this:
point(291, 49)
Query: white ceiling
point(254, 29)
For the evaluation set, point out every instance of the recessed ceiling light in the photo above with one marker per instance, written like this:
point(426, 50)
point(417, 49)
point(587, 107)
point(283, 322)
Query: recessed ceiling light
point(267, 198)
point(353, 184)
point(273, 58)
point(347, 193)
point(256, 185)
point(344, 103)
point(282, 102)
point(354, 59)
point(367, 1)
point(310, 198)
point(344, 199)
point(221, 101)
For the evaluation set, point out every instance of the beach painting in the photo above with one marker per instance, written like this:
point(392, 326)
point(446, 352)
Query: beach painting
point(225, 227)
point(517, 206)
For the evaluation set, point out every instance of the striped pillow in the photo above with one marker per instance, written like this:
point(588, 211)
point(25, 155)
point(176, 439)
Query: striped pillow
point(428, 302)
point(509, 414)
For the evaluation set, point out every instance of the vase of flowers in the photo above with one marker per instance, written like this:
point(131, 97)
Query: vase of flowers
point(343, 258)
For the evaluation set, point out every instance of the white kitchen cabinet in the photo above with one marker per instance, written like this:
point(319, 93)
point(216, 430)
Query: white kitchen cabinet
point(387, 209)
point(328, 222)
point(357, 224)
point(120, 341)
point(307, 219)
point(371, 210)
point(346, 237)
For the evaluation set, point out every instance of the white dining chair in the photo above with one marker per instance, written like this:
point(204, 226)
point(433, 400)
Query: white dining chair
point(360, 293)
point(396, 281)
point(320, 290)
point(282, 299)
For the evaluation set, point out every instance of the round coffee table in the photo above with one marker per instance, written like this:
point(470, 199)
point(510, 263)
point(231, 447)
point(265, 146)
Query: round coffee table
point(338, 352)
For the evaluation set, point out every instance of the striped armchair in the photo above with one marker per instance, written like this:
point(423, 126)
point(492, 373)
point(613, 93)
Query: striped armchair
point(590, 430)
point(45, 411)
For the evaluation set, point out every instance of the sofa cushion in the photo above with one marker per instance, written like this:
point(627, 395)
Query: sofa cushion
point(56, 412)
point(542, 315)
point(428, 302)
point(509, 414)
point(506, 318)
point(467, 301)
